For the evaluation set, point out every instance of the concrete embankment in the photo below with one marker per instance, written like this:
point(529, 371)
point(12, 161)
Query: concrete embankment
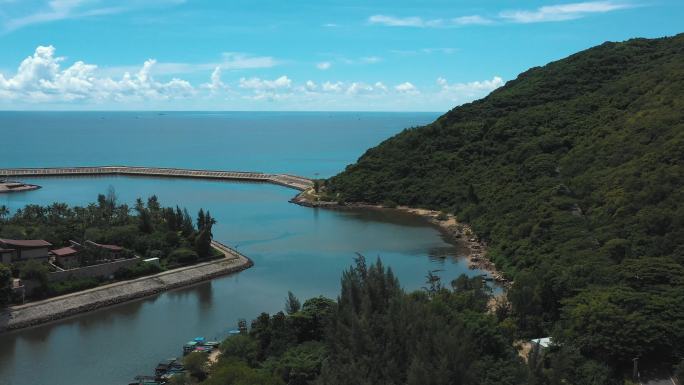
point(35, 313)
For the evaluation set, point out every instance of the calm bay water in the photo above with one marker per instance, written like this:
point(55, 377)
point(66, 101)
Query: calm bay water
point(294, 248)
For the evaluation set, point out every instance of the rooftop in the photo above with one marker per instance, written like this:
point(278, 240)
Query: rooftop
point(25, 243)
point(64, 252)
point(108, 247)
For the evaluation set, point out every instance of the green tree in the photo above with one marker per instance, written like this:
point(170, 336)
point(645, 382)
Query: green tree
point(5, 284)
point(200, 219)
point(292, 304)
point(4, 212)
point(196, 364)
point(203, 240)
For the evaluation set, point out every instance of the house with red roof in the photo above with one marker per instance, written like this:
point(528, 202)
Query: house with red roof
point(105, 251)
point(67, 257)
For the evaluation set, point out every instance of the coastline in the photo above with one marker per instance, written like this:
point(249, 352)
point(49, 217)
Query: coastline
point(447, 224)
point(56, 308)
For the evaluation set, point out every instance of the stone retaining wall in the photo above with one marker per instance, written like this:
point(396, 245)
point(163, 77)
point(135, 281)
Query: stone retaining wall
point(21, 316)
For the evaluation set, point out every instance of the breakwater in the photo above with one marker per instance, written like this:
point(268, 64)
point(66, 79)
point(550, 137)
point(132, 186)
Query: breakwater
point(287, 180)
point(52, 309)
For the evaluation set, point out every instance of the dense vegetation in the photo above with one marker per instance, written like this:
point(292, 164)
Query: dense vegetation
point(573, 174)
point(147, 230)
point(375, 333)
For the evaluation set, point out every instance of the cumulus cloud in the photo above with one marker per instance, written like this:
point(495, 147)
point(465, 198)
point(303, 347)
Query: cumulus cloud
point(263, 84)
point(333, 87)
point(324, 65)
point(462, 92)
point(359, 88)
point(215, 84)
point(406, 87)
point(310, 86)
point(40, 78)
point(45, 79)
point(380, 86)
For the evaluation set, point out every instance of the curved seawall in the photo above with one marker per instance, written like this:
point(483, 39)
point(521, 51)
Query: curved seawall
point(287, 180)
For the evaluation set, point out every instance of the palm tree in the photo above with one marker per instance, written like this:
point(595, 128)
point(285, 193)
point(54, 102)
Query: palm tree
point(4, 212)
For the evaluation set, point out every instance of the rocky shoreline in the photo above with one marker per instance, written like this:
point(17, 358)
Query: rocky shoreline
point(447, 223)
point(35, 313)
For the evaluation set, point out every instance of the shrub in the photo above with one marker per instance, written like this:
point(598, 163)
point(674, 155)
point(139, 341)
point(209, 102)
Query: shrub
point(183, 256)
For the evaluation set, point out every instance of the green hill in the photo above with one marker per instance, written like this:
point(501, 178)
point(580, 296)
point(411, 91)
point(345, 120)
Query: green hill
point(573, 173)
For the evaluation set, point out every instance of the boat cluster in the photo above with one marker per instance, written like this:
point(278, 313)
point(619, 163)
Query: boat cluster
point(167, 369)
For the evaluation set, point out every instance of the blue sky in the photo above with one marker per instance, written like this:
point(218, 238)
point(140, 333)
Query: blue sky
point(427, 55)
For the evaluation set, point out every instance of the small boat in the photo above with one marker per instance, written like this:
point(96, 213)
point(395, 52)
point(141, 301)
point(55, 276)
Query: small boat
point(189, 347)
point(212, 344)
point(203, 349)
point(167, 366)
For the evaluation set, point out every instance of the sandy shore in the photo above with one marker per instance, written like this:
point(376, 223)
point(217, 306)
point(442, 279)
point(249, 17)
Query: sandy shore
point(35, 313)
point(447, 223)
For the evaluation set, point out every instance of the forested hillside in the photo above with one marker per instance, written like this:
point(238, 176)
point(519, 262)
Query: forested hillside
point(573, 174)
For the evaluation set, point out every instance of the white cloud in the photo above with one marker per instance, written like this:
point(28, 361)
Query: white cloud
point(40, 78)
point(359, 88)
point(412, 21)
point(332, 87)
point(563, 11)
point(55, 10)
point(464, 92)
point(44, 80)
point(215, 83)
point(239, 61)
point(380, 86)
point(406, 87)
point(547, 13)
point(230, 61)
point(311, 86)
point(472, 20)
point(261, 84)
point(324, 65)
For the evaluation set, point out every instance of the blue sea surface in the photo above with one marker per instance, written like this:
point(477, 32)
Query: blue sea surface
point(305, 143)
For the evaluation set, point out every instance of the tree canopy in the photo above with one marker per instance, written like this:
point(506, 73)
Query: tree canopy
point(573, 174)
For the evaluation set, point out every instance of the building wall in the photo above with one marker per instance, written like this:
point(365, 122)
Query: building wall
point(94, 271)
point(25, 254)
point(68, 262)
point(6, 258)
